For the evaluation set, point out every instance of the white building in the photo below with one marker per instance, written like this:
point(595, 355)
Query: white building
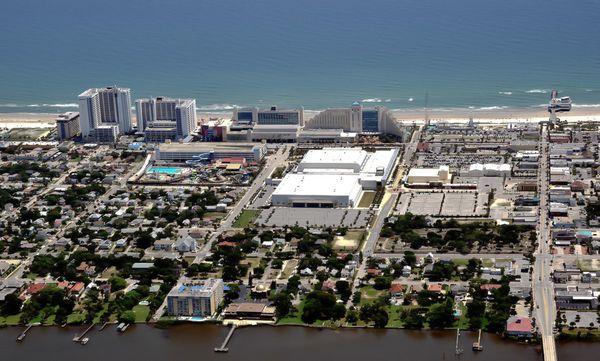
point(326, 136)
point(271, 116)
point(489, 170)
point(429, 175)
point(67, 125)
point(104, 112)
point(164, 118)
point(317, 190)
point(334, 177)
point(205, 151)
point(357, 119)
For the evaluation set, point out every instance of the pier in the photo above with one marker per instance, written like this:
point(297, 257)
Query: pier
point(22, 335)
point(477, 346)
point(80, 338)
point(223, 347)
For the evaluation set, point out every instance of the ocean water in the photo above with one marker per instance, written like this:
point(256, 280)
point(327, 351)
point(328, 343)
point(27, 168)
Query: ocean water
point(311, 53)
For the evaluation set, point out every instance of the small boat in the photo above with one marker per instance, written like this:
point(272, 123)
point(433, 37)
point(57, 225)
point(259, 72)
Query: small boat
point(84, 340)
point(122, 327)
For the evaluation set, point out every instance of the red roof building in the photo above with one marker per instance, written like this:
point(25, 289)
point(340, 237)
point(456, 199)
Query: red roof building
point(519, 326)
point(434, 288)
point(490, 286)
point(34, 288)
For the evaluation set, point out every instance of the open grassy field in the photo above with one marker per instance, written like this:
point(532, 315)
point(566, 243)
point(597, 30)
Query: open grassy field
point(141, 313)
point(366, 200)
point(246, 218)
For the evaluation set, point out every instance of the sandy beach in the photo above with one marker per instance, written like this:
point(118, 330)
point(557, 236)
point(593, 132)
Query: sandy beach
point(495, 115)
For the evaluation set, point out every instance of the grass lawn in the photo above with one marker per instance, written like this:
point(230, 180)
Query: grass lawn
point(366, 200)
point(460, 262)
point(394, 313)
point(350, 241)
point(463, 321)
point(246, 218)
point(75, 318)
point(291, 319)
point(369, 294)
point(217, 215)
point(141, 313)
point(11, 320)
point(96, 319)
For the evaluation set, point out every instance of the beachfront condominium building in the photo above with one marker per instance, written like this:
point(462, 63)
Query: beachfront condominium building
point(104, 113)
point(347, 119)
point(163, 119)
point(198, 298)
point(357, 119)
point(67, 125)
point(271, 116)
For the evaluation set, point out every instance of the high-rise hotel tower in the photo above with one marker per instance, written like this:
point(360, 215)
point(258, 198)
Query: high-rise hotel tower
point(104, 114)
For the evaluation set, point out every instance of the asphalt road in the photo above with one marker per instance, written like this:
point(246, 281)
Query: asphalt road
point(543, 287)
point(389, 201)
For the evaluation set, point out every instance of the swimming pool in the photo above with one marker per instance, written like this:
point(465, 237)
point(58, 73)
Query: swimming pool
point(164, 170)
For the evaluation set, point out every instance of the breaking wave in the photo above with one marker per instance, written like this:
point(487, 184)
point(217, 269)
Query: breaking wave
point(586, 105)
point(216, 107)
point(537, 91)
point(505, 93)
point(495, 107)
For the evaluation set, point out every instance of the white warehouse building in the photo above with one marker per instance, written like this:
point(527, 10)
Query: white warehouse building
point(489, 170)
point(429, 175)
point(334, 177)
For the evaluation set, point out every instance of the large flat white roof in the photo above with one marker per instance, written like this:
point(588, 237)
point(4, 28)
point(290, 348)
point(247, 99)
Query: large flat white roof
point(423, 172)
point(318, 185)
point(341, 158)
point(380, 159)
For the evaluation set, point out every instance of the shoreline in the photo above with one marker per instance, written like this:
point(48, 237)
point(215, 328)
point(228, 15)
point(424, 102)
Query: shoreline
point(450, 115)
point(569, 336)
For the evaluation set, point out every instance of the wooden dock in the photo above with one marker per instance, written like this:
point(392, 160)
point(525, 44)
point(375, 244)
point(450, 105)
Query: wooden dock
point(80, 338)
point(223, 347)
point(22, 335)
point(477, 346)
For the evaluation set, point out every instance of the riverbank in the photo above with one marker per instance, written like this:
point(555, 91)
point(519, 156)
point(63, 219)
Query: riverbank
point(184, 342)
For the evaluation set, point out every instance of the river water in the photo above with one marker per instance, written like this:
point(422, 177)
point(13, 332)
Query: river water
point(196, 342)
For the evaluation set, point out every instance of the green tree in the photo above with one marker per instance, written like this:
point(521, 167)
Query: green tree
point(127, 317)
point(11, 305)
point(117, 283)
point(283, 304)
point(441, 315)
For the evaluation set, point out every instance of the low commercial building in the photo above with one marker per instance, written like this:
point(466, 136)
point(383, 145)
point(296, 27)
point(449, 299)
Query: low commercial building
point(181, 152)
point(275, 133)
point(489, 170)
point(517, 326)
point(317, 190)
point(429, 175)
point(250, 310)
point(325, 136)
point(199, 298)
point(576, 300)
point(334, 177)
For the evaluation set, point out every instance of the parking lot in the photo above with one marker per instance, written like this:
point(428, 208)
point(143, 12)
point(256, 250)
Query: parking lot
point(314, 217)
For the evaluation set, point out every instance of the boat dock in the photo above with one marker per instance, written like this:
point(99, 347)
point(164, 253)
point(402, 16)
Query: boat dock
point(477, 346)
point(80, 338)
point(223, 347)
point(22, 335)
